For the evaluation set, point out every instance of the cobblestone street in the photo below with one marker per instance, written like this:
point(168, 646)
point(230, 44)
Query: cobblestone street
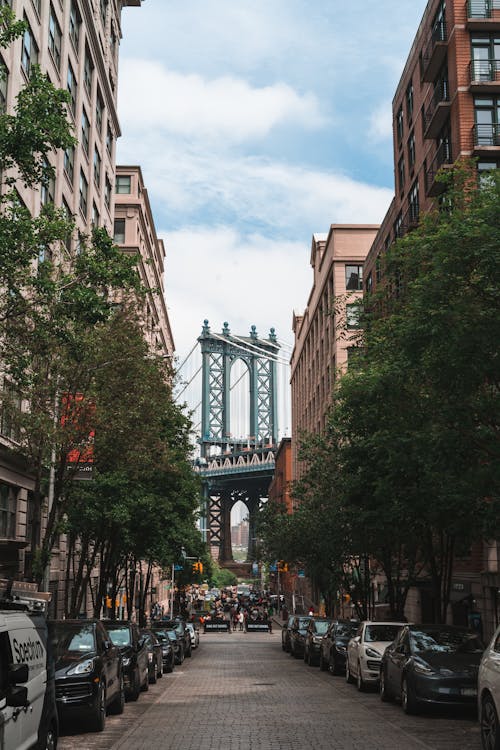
point(241, 692)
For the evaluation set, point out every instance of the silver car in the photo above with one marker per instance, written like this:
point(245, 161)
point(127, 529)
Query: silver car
point(194, 634)
point(488, 694)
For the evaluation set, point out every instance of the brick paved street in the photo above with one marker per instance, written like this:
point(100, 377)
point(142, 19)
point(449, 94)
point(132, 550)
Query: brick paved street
point(241, 692)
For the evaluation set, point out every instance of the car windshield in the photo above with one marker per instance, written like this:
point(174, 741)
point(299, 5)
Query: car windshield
point(321, 627)
point(119, 636)
point(445, 641)
point(162, 635)
point(303, 622)
point(381, 632)
point(73, 638)
point(172, 635)
point(346, 629)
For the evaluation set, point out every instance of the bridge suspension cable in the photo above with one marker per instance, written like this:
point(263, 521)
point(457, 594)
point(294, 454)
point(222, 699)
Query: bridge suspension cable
point(248, 347)
point(186, 385)
point(187, 357)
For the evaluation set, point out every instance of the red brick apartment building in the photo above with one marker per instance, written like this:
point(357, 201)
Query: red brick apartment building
point(446, 106)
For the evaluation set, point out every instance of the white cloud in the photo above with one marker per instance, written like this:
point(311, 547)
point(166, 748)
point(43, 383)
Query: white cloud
point(381, 122)
point(225, 108)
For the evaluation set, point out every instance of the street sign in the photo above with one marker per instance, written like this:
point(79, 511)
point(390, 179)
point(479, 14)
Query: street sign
point(273, 568)
point(178, 567)
point(301, 574)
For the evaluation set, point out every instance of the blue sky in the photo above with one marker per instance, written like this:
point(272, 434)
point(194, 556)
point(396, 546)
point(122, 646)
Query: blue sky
point(258, 123)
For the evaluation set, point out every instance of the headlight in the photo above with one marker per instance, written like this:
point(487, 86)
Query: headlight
point(421, 667)
point(316, 638)
point(342, 649)
point(150, 657)
point(373, 653)
point(126, 661)
point(84, 667)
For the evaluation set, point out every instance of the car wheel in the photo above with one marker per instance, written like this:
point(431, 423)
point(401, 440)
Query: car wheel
point(348, 675)
point(145, 684)
point(152, 678)
point(118, 705)
point(385, 695)
point(48, 741)
point(322, 663)
point(135, 687)
point(170, 667)
point(360, 683)
point(490, 726)
point(98, 713)
point(189, 652)
point(408, 698)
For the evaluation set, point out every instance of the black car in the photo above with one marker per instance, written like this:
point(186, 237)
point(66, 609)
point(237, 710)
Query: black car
point(89, 672)
point(155, 655)
point(333, 650)
point(431, 664)
point(177, 644)
point(126, 636)
point(180, 627)
point(315, 632)
point(298, 632)
point(285, 633)
point(167, 647)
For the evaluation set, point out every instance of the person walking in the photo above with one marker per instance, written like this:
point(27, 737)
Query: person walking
point(241, 619)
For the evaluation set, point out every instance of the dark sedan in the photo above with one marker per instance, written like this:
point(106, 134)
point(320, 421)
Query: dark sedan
point(333, 651)
point(88, 671)
point(177, 644)
point(155, 655)
point(431, 664)
point(126, 636)
point(167, 647)
point(315, 632)
point(285, 633)
point(298, 632)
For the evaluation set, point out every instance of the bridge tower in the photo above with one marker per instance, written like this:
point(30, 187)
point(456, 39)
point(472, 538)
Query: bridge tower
point(236, 468)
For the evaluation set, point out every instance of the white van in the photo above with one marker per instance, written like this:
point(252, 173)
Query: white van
point(28, 714)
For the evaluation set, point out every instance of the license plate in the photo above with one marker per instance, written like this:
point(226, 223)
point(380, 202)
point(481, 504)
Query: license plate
point(468, 691)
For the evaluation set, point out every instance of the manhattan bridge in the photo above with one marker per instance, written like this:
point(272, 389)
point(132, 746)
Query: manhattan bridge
point(237, 388)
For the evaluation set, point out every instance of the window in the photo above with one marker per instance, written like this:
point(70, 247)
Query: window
point(99, 109)
point(487, 121)
point(484, 169)
point(409, 101)
point(123, 184)
point(413, 202)
point(97, 168)
point(29, 52)
point(398, 225)
point(69, 162)
point(47, 191)
point(84, 189)
point(485, 58)
point(69, 216)
point(107, 193)
point(354, 277)
point(378, 264)
point(55, 37)
point(369, 283)
point(75, 23)
point(113, 40)
point(109, 140)
point(104, 11)
point(88, 71)
point(10, 410)
point(4, 80)
point(353, 314)
point(399, 124)
point(37, 4)
point(119, 231)
point(85, 132)
point(401, 174)
point(411, 152)
point(95, 216)
point(72, 87)
point(8, 507)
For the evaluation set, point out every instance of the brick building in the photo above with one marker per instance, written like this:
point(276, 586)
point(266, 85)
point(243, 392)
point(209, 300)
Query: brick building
point(76, 44)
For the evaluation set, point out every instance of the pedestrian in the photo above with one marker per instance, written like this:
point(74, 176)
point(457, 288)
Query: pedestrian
point(241, 620)
point(311, 611)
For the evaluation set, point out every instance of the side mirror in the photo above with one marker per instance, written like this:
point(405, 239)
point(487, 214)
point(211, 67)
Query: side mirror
point(19, 674)
point(17, 697)
point(141, 642)
point(108, 645)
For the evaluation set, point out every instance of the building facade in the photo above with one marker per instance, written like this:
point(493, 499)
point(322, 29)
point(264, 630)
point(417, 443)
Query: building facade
point(76, 44)
point(325, 332)
point(446, 106)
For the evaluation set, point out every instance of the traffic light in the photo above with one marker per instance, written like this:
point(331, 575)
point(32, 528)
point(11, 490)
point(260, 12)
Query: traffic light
point(197, 567)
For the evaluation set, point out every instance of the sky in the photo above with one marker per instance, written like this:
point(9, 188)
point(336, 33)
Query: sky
point(257, 123)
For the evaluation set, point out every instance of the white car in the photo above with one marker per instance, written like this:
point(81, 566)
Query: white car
point(194, 634)
point(488, 695)
point(365, 651)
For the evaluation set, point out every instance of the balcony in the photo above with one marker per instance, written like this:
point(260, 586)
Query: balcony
point(408, 221)
point(442, 158)
point(483, 15)
point(486, 139)
point(437, 111)
point(484, 75)
point(434, 54)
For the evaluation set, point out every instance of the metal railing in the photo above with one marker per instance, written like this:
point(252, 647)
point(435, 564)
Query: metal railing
point(483, 8)
point(439, 34)
point(486, 135)
point(440, 96)
point(484, 70)
point(443, 156)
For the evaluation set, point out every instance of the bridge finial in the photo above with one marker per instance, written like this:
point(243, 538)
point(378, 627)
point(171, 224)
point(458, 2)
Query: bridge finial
point(253, 332)
point(206, 328)
point(272, 334)
point(225, 330)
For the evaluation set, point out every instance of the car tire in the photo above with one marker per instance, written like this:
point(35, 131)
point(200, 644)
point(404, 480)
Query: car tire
point(152, 679)
point(490, 725)
point(159, 669)
point(145, 684)
point(117, 706)
point(408, 698)
point(189, 653)
point(348, 676)
point(305, 656)
point(98, 713)
point(170, 668)
point(135, 688)
point(385, 695)
point(48, 740)
point(360, 683)
point(322, 663)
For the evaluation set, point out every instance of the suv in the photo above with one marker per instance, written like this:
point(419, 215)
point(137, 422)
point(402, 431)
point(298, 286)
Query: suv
point(180, 627)
point(89, 677)
point(27, 693)
point(333, 649)
point(132, 645)
point(315, 632)
point(298, 631)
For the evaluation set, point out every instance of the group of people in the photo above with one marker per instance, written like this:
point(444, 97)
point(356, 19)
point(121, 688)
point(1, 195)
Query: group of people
point(239, 609)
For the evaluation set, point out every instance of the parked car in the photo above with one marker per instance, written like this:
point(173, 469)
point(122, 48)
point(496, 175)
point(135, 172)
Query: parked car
point(126, 636)
point(333, 647)
point(285, 633)
point(194, 632)
point(180, 627)
point(298, 631)
point(431, 664)
point(177, 644)
point(167, 648)
point(488, 695)
point(315, 632)
point(155, 655)
point(365, 651)
point(88, 671)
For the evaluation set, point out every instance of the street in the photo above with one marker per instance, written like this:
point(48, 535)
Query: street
point(240, 691)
